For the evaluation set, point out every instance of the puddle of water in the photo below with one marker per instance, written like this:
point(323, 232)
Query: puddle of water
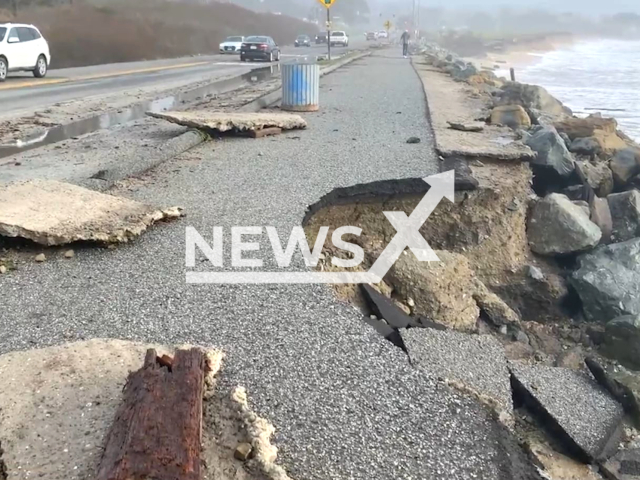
point(135, 112)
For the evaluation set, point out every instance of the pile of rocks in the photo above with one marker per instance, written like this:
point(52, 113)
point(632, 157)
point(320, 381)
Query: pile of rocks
point(586, 214)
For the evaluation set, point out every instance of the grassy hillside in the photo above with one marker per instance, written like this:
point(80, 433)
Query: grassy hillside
point(121, 31)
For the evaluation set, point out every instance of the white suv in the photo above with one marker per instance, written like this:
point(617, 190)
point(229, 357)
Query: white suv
point(339, 38)
point(22, 48)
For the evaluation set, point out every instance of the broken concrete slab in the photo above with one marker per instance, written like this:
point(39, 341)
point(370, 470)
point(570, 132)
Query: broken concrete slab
point(625, 214)
point(55, 213)
point(572, 407)
point(233, 121)
point(625, 465)
point(559, 227)
point(475, 364)
point(467, 126)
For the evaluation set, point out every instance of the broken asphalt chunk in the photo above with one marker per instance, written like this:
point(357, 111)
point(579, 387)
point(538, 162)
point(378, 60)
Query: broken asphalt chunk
point(474, 363)
point(55, 213)
point(384, 308)
point(572, 408)
point(621, 392)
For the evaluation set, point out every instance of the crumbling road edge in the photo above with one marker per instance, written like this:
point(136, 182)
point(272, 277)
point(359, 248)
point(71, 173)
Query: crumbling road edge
point(192, 138)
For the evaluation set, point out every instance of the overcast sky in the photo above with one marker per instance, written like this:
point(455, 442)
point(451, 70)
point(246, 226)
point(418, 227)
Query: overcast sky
point(577, 6)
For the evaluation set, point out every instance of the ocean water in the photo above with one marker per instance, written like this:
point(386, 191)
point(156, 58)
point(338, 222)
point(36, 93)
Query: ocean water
point(591, 76)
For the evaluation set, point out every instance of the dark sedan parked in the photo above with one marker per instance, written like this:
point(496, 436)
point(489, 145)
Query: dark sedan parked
point(303, 41)
point(259, 48)
point(321, 37)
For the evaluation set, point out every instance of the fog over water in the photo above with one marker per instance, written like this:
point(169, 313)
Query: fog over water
point(597, 75)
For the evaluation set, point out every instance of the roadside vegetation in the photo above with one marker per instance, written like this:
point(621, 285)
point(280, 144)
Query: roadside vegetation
point(101, 32)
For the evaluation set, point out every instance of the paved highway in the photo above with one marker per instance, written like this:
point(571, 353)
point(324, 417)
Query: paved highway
point(23, 92)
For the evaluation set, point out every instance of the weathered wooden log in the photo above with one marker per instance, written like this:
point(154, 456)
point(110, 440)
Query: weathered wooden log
point(157, 430)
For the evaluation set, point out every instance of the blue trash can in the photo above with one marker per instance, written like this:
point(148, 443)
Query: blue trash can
point(300, 87)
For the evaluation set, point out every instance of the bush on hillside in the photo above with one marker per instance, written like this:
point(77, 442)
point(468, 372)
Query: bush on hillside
point(84, 34)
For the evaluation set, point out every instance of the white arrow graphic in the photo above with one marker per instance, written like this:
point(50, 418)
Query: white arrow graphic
point(407, 236)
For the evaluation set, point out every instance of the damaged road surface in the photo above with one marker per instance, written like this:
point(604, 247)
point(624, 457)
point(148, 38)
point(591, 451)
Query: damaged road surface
point(55, 213)
point(345, 403)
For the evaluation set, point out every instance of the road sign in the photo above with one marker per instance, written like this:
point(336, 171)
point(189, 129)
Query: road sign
point(387, 25)
point(327, 3)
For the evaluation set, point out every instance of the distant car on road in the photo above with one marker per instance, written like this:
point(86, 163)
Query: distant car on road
point(231, 45)
point(339, 38)
point(321, 38)
point(23, 48)
point(383, 34)
point(371, 36)
point(259, 48)
point(303, 41)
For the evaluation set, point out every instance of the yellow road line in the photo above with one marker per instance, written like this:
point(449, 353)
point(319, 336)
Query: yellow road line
point(51, 81)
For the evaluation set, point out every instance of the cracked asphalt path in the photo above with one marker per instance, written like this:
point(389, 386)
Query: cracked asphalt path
point(346, 404)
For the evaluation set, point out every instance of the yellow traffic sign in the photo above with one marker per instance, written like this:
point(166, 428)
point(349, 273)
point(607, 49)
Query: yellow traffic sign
point(327, 3)
point(387, 25)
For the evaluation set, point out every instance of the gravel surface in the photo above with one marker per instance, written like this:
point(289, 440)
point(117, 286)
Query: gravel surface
point(478, 361)
point(583, 410)
point(345, 403)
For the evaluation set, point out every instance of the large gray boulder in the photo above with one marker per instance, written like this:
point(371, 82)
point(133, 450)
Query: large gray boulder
point(597, 175)
point(622, 340)
point(625, 215)
point(531, 97)
point(552, 153)
point(625, 165)
point(557, 226)
point(608, 281)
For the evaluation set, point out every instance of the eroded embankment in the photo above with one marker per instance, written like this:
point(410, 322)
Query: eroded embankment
point(520, 275)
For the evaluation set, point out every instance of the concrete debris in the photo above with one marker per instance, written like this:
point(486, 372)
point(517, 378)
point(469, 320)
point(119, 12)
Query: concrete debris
point(552, 154)
point(54, 213)
point(559, 227)
point(476, 361)
point(243, 451)
point(572, 407)
point(625, 215)
point(608, 281)
point(69, 254)
point(625, 465)
point(40, 258)
point(233, 121)
point(3, 269)
point(513, 116)
point(467, 126)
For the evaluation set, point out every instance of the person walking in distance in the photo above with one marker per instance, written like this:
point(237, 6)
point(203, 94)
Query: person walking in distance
point(405, 43)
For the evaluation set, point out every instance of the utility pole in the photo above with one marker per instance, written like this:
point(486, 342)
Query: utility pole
point(329, 33)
